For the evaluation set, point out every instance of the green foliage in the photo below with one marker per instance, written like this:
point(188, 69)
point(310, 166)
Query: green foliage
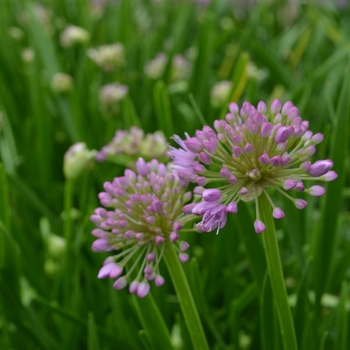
point(52, 299)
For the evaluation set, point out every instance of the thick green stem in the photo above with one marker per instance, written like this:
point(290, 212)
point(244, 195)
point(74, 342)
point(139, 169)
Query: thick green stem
point(188, 306)
point(274, 268)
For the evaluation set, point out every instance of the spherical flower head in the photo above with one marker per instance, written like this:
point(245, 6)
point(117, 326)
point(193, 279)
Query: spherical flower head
point(155, 68)
point(252, 150)
point(62, 83)
point(220, 93)
point(180, 68)
point(112, 94)
point(28, 55)
point(76, 160)
point(108, 57)
point(141, 212)
point(127, 145)
point(74, 35)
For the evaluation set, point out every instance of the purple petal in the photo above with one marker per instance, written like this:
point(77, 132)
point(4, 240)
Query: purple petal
point(259, 226)
point(183, 257)
point(232, 208)
point(320, 167)
point(159, 281)
point(278, 213)
point(143, 289)
point(211, 195)
point(316, 191)
point(300, 203)
point(141, 167)
point(120, 283)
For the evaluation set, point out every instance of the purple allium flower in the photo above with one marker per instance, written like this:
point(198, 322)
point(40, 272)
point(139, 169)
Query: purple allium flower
point(250, 151)
point(144, 211)
point(128, 144)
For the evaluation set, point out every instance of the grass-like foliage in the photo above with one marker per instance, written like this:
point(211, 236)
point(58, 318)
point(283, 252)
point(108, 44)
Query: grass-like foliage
point(170, 66)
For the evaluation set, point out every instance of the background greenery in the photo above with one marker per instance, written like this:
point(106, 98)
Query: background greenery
point(269, 49)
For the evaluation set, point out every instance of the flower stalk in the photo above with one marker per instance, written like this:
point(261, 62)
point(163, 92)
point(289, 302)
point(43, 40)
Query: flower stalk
point(185, 298)
point(274, 268)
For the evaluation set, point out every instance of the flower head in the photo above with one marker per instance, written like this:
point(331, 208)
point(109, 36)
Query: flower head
point(62, 83)
point(76, 160)
point(252, 150)
point(180, 67)
point(127, 144)
point(74, 35)
point(112, 94)
point(145, 211)
point(109, 57)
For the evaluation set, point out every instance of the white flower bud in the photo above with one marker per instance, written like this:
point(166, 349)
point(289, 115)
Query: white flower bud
point(76, 159)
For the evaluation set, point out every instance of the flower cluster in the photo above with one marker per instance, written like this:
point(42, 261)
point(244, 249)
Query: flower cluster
point(76, 160)
point(180, 67)
point(112, 94)
point(144, 213)
point(62, 83)
point(108, 57)
point(74, 35)
point(133, 143)
point(252, 150)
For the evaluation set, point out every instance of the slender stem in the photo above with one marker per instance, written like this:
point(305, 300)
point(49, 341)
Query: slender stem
point(188, 306)
point(68, 196)
point(274, 268)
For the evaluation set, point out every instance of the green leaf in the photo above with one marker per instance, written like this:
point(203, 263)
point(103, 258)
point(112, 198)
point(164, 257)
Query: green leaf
point(152, 322)
point(163, 109)
point(4, 212)
point(129, 113)
point(244, 224)
point(342, 323)
point(93, 343)
point(302, 304)
point(325, 240)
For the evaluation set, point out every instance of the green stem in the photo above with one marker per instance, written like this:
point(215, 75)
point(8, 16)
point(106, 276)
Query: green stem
point(274, 268)
point(68, 196)
point(185, 297)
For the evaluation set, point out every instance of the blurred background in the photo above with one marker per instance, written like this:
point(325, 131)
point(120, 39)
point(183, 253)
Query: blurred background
point(77, 71)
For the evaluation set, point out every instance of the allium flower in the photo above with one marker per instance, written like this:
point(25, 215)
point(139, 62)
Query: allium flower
point(111, 94)
point(250, 151)
point(154, 69)
point(109, 57)
point(28, 55)
point(144, 212)
point(74, 35)
point(76, 160)
point(127, 144)
point(180, 67)
point(62, 83)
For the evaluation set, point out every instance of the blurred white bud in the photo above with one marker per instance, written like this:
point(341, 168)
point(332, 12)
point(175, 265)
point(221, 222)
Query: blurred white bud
point(74, 35)
point(76, 160)
point(56, 245)
point(28, 55)
point(154, 69)
point(16, 33)
point(62, 83)
point(220, 93)
point(111, 94)
point(108, 57)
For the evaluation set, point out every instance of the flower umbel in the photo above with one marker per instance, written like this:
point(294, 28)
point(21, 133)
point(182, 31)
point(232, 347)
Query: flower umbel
point(250, 151)
point(126, 144)
point(145, 212)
